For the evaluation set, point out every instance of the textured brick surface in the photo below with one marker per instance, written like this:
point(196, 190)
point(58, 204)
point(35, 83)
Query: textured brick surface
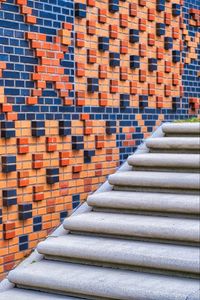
point(81, 84)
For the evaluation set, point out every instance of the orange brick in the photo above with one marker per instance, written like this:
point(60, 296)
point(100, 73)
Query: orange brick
point(142, 50)
point(142, 2)
point(167, 90)
point(31, 100)
point(102, 71)
point(91, 56)
point(159, 102)
point(113, 31)
point(142, 75)
point(151, 39)
point(79, 40)
point(160, 53)
point(167, 18)
point(80, 69)
point(6, 107)
point(123, 46)
point(175, 79)
point(31, 19)
point(103, 99)
point(102, 17)
point(151, 89)
point(11, 116)
point(133, 9)
point(91, 27)
point(8, 226)
point(123, 20)
point(142, 24)
point(21, 2)
point(133, 88)
point(113, 86)
point(151, 14)
point(91, 3)
point(123, 73)
point(22, 141)
point(76, 169)
point(23, 149)
point(168, 66)
point(159, 77)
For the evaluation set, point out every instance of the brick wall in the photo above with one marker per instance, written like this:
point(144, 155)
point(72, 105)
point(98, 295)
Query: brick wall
point(81, 84)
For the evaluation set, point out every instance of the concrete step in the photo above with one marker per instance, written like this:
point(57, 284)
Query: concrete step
point(156, 181)
point(125, 254)
point(94, 282)
point(163, 162)
point(149, 202)
point(181, 129)
point(174, 144)
point(135, 226)
point(23, 294)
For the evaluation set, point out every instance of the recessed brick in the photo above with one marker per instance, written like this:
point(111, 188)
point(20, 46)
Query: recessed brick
point(151, 14)
point(102, 71)
point(134, 36)
point(114, 59)
point(132, 9)
point(123, 46)
point(123, 20)
point(102, 15)
point(92, 85)
point(113, 6)
point(91, 27)
point(91, 56)
point(151, 39)
point(133, 87)
point(113, 31)
point(123, 73)
point(113, 86)
point(103, 43)
point(80, 10)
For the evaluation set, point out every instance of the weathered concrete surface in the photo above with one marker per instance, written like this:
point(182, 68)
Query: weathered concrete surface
point(135, 226)
point(103, 282)
point(141, 201)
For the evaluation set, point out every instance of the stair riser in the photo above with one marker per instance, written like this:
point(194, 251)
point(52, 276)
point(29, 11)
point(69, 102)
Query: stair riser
point(58, 292)
point(156, 189)
point(165, 169)
point(165, 270)
point(175, 151)
point(186, 135)
point(194, 215)
point(138, 238)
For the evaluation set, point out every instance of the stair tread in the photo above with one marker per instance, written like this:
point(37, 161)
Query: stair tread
point(135, 226)
point(190, 143)
point(176, 160)
point(146, 201)
point(102, 282)
point(168, 180)
point(188, 128)
point(23, 294)
point(124, 252)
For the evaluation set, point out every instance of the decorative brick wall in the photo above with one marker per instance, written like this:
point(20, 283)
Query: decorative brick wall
point(81, 84)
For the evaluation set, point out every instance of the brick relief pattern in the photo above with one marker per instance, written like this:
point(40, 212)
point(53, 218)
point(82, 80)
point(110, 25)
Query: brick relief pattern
point(81, 84)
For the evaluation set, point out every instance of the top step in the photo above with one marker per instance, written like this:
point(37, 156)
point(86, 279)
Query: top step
point(181, 129)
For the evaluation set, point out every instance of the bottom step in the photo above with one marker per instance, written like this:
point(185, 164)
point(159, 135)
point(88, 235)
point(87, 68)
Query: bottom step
point(92, 282)
point(22, 294)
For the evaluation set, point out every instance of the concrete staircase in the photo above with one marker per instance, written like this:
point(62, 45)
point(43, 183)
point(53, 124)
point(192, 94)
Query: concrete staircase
point(138, 240)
